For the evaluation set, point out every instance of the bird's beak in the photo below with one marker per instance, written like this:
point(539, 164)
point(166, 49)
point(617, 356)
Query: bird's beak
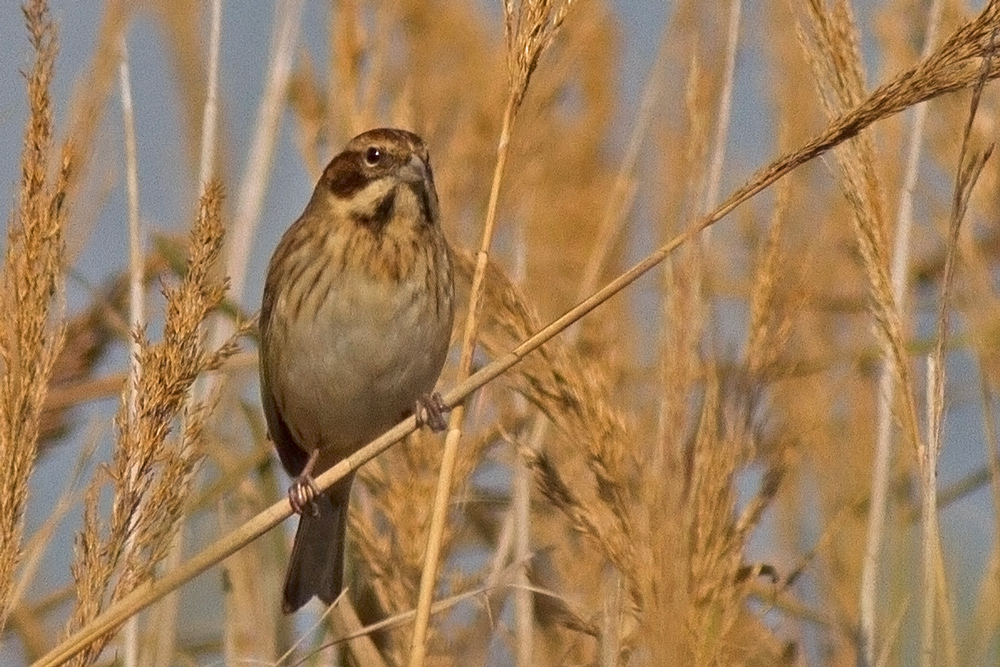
point(414, 171)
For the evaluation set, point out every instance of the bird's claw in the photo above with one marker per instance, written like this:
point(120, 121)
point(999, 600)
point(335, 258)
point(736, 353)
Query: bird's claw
point(303, 490)
point(301, 494)
point(430, 410)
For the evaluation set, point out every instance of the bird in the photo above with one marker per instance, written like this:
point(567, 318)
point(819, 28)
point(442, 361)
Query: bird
point(355, 325)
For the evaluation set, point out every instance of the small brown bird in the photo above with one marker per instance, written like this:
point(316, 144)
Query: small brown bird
point(355, 325)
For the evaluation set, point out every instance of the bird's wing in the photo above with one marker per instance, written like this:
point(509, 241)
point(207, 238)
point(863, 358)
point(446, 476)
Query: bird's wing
point(293, 458)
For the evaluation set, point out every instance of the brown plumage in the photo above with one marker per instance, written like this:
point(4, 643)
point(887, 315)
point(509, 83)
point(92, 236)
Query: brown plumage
point(355, 325)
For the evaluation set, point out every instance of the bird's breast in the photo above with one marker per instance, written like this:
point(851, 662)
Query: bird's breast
point(357, 366)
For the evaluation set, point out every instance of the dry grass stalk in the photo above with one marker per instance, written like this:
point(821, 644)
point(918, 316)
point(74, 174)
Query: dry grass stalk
point(389, 532)
point(725, 107)
point(150, 474)
point(165, 618)
point(953, 66)
point(935, 371)
point(936, 596)
point(770, 321)
point(137, 309)
point(31, 331)
point(930, 536)
point(712, 559)
point(210, 112)
point(69, 498)
point(831, 46)
point(984, 625)
point(529, 28)
point(622, 196)
point(566, 387)
point(253, 185)
point(618, 506)
point(90, 100)
point(89, 334)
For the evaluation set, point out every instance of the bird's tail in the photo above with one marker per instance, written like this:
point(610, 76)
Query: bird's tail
point(317, 563)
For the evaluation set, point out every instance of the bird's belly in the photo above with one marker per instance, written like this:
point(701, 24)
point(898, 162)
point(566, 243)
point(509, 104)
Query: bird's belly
point(360, 365)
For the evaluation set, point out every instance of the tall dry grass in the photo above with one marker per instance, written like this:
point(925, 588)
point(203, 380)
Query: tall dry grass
point(32, 330)
point(733, 461)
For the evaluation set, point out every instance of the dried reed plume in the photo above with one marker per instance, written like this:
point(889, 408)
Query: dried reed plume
point(151, 472)
point(31, 330)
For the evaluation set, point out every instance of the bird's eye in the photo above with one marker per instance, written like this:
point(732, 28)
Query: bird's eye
point(373, 155)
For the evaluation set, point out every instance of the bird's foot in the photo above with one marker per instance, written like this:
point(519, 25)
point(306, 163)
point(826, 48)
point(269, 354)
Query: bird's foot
point(303, 490)
point(430, 410)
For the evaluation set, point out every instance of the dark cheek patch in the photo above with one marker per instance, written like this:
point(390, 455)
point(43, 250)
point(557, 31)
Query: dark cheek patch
point(345, 176)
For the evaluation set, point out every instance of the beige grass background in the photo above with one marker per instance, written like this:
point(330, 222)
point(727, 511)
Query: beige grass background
point(733, 461)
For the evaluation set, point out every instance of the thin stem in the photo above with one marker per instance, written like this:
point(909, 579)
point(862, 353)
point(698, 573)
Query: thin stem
point(929, 527)
point(137, 315)
point(166, 623)
point(524, 618)
point(609, 641)
point(623, 191)
point(209, 122)
point(519, 515)
point(418, 645)
point(725, 108)
point(887, 384)
point(254, 183)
